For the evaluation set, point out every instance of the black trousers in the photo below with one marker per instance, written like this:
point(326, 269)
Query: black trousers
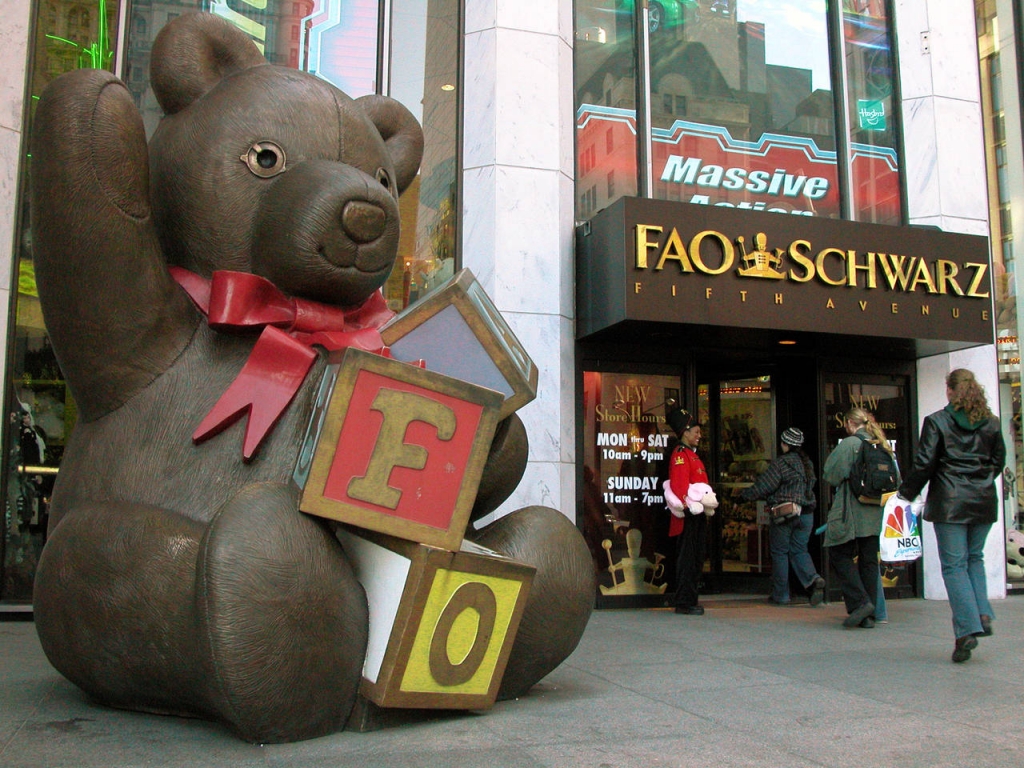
point(858, 580)
point(690, 562)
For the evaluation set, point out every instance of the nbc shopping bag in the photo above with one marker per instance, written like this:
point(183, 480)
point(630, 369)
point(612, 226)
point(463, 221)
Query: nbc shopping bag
point(901, 530)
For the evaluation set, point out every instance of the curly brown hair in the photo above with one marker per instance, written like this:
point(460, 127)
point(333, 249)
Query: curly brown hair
point(967, 395)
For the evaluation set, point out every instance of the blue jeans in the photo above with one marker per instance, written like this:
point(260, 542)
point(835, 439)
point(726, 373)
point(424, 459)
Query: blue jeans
point(961, 553)
point(881, 611)
point(788, 545)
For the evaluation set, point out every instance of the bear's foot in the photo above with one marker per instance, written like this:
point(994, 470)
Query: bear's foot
point(283, 618)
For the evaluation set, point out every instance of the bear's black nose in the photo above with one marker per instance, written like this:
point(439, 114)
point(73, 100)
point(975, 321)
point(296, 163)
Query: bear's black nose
point(362, 221)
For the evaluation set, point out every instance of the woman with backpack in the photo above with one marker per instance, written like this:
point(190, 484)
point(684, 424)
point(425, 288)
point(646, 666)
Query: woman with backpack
point(788, 487)
point(960, 455)
point(855, 520)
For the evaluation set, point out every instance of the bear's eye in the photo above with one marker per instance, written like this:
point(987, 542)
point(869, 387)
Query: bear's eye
point(265, 159)
point(384, 180)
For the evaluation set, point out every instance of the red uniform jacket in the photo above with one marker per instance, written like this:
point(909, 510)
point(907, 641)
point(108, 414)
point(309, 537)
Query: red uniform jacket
point(685, 467)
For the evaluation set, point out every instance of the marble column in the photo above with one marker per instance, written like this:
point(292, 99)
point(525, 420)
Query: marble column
point(14, 35)
point(518, 212)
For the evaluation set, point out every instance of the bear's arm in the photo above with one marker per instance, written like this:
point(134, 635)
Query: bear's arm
point(116, 318)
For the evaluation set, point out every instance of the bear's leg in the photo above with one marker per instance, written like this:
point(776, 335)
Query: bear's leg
point(113, 604)
point(561, 598)
point(282, 616)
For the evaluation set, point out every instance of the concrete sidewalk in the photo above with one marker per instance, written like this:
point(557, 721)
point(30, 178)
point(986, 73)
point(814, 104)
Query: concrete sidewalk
point(747, 684)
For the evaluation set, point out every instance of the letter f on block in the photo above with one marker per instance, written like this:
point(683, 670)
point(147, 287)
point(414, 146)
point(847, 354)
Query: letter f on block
point(399, 409)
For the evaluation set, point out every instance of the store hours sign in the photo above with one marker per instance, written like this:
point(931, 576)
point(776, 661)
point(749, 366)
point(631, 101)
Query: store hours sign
point(625, 457)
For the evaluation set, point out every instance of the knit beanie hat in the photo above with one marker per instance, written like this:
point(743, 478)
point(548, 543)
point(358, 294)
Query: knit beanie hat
point(793, 436)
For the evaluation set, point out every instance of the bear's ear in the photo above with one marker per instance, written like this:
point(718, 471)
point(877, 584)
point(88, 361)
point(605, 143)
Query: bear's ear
point(193, 53)
point(401, 133)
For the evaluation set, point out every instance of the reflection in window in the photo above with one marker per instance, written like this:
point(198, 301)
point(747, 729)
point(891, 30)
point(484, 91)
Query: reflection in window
point(742, 108)
point(40, 409)
point(606, 130)
point(874, 174)
point(425, 77)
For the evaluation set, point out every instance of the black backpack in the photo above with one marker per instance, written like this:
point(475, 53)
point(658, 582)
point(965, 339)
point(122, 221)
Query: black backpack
point(874, 473)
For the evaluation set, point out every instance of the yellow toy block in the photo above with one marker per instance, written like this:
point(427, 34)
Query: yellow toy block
point(442, 623)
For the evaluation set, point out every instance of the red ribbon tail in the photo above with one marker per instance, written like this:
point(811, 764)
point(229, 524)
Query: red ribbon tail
point(263, 388)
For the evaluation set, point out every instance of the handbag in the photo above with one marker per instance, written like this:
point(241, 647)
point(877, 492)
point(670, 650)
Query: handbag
point(782, 513)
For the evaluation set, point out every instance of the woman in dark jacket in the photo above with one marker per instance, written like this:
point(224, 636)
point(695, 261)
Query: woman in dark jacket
point(960, 454)
point(790, 478)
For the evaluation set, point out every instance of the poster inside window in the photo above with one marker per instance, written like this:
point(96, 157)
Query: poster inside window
point(626, 450)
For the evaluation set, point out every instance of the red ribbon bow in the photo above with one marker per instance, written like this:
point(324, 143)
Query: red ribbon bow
point(283, 354)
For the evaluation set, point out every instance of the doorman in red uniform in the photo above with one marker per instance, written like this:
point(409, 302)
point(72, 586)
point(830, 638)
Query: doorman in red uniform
point(685, 467)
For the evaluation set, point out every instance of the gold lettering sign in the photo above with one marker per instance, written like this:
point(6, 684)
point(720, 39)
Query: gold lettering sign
point(800, 262)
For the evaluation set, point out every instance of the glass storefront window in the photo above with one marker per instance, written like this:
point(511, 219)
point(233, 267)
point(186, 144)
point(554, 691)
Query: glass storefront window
point(40, 410)
point(625, 460)
point(741, 105)
point(424, 76)
point(606, 120)
point(872, 161)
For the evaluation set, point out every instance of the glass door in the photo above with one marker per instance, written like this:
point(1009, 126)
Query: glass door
point(741, 443)
point(886, 398)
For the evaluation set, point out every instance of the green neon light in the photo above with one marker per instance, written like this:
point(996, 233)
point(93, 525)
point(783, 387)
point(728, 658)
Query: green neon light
point(98, 54)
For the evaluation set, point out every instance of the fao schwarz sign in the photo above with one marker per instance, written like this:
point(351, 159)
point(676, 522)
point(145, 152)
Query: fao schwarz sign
point(675, 262)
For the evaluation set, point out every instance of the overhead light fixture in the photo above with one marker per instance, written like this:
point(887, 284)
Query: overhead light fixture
point(787, 342)
point(447, 87)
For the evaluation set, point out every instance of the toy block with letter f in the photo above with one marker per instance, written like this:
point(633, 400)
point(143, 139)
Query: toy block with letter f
point(400, 450)
point(442, 623)
point(457, 330)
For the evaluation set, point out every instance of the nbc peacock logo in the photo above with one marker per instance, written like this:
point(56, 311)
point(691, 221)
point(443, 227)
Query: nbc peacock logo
point(904, 525)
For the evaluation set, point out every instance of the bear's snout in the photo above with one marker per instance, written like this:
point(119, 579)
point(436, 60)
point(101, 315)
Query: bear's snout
point(326, 231)
point(363, 221)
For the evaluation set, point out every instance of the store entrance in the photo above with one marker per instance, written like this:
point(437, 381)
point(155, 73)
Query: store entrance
point(745, 411)
point(741, 426)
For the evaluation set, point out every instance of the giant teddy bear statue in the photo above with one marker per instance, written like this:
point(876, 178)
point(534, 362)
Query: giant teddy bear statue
point(177, 577)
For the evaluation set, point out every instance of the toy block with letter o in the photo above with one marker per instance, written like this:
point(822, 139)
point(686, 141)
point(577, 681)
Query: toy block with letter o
point(442, 623)
point(401, 450)
point(456, 330)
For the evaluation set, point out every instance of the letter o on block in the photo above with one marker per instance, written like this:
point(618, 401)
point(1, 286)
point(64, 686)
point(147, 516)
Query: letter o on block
point(472, 596)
